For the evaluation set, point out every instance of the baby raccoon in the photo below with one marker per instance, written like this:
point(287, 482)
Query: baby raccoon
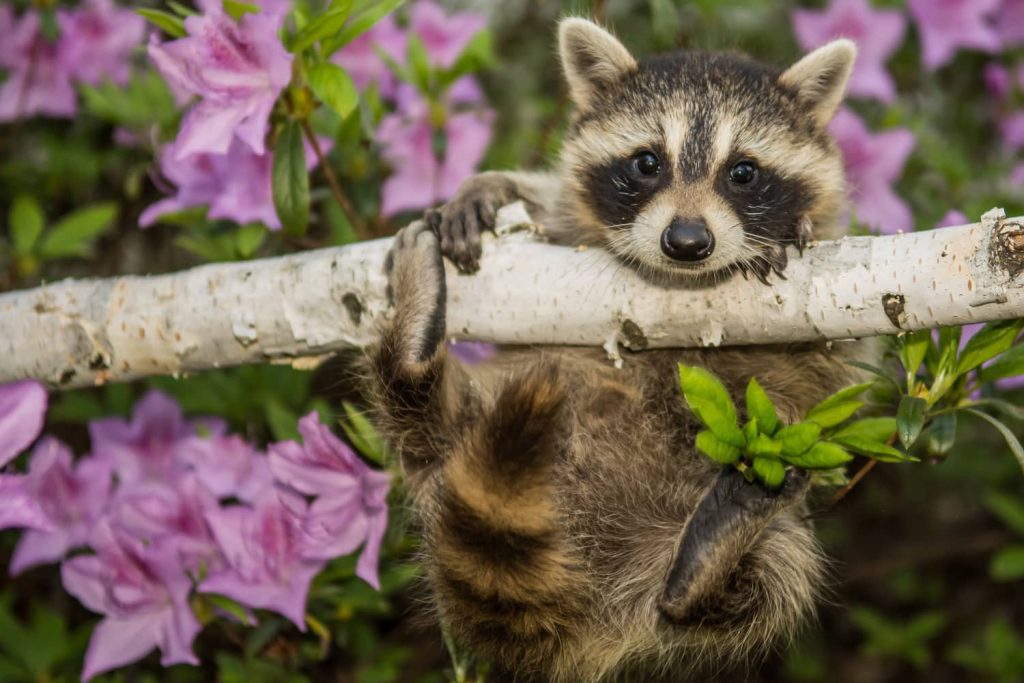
point(571, 531)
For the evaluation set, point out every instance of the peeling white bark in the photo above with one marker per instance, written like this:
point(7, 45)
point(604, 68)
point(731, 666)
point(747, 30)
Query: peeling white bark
point(302, 307)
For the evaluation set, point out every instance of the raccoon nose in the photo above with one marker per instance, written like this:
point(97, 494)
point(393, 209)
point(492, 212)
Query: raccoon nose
point(687, 240)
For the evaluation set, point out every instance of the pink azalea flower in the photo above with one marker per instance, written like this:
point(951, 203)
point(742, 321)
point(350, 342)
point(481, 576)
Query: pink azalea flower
point(472, 352)
point(262, 545)
point(1012, 130)
point(421, 177)
point(143, 593)
point(351, 505)
point(997, 79)
point(228, 466)
point(235, 186)
point(175, 510)
point(72, 496)
point(20, 509)
point(238, 69)
point(873, 162)
point(1017, 175)
point(146, 448)
point(444, 36)
point(1009, 22)
point(39, 77)
point(952, 218)
point(947, 26)
point(98, 39)
point(878, 33)
point(360, 59)
point(22, 409)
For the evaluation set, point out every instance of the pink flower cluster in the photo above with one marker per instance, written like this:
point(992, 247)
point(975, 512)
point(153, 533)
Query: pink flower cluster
point(170, 506)
point(95, 43)
point(1003, 84)
point(423, 174)
point(237, 70)
point(875, 161)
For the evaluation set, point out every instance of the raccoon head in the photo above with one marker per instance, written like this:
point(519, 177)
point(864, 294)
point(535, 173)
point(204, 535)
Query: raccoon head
point(693, 165)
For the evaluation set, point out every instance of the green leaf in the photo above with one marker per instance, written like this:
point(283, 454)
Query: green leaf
point(759, 406)
point(796, 439)
point(418, 58)
point(74, 234)
point(991, 340)
point(169, 23)
point(710, 401)
point(1011, 410)
point(874, 370)
point(291, 180)
point(1010, 509)
point(763, 445)
point(872, 428)
point(910, 419)
point(228, 605)
point(362, 434)
point(364, 17)
point(283, 423)
point(236, 9)
point(770, 470)
point(838, 407)
point(913, 349)
point(716, 449)
point(334, 87)
point(1010, 364)
point(181, 10)
point(326, 25)
point(248, 239)
point(821, 456)
point(941, 435)
point(750, 430)
point(1008, 564)
point(26, 223)
point(1008, 435)
point(882, 452)
point(834, 413)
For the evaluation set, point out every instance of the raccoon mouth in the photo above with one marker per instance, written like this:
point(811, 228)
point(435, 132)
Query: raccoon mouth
point(728, 520)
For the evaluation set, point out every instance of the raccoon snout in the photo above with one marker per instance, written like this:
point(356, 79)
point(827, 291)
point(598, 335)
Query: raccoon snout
point(687, 240)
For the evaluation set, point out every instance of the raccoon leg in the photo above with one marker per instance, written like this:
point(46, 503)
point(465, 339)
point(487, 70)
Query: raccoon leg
point(414, 380)
point(475, 206)
point(504, 577)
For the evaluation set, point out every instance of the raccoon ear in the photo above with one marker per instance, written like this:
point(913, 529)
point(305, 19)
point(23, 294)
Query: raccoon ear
point(820, 78)
point(592, 59)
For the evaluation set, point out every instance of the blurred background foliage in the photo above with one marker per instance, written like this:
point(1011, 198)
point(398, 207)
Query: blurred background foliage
point(928, 563)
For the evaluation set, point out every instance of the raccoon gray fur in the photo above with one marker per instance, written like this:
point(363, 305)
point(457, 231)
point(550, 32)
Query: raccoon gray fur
point(571, 532)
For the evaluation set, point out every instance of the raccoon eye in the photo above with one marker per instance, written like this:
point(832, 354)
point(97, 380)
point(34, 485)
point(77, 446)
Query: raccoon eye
point(646, 164)
point(743, 172)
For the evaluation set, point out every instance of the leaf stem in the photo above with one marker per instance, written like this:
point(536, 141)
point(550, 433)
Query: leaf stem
point(332, 181)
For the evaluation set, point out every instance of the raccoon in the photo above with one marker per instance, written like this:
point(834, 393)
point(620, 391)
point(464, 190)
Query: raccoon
point(570, 530)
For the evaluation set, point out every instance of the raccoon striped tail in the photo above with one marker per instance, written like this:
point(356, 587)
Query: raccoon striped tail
point(499, 558)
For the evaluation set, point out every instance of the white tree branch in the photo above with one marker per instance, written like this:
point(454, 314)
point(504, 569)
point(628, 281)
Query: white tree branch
point(305, 306)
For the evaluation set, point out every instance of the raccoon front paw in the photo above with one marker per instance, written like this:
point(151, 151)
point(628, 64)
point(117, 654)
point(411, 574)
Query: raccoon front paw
point(416, 285)
point(473, 209)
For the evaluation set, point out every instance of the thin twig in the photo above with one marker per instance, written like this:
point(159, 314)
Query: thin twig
point(332, 181)
point(861, 473)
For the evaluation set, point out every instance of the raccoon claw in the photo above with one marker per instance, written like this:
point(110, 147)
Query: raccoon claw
point(417, 287)
point(460, 223)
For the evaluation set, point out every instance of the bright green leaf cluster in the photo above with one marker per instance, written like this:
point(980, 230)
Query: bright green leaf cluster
point(763, 447)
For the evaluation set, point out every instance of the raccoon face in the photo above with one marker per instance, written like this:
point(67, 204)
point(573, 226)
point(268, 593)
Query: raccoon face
point(695, 165)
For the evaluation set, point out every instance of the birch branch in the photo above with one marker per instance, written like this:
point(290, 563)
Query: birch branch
point(300, 308)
